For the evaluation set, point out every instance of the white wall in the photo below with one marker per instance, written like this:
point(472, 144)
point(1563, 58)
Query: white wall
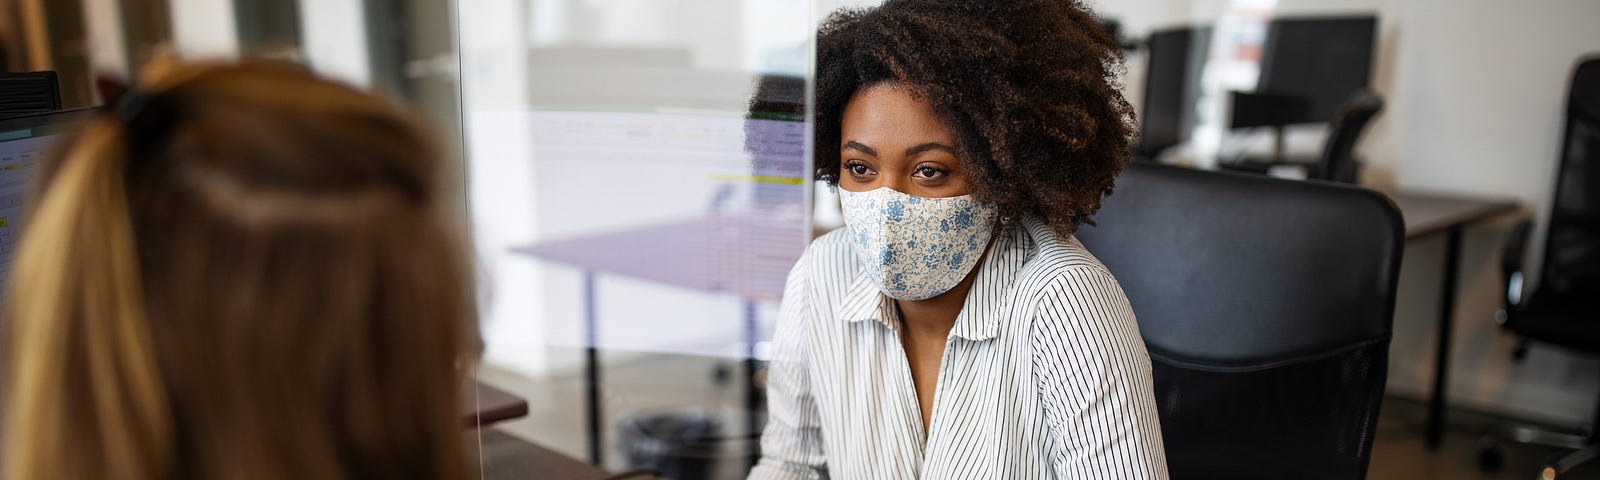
point(203, 28)
point(103, 27)
point(334, 39)
point(334, 34)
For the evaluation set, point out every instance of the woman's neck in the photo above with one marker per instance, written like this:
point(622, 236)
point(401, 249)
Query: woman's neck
point(933, 318)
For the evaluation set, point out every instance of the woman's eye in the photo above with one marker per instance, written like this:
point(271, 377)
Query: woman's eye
point(859, 169)
point(929, 172)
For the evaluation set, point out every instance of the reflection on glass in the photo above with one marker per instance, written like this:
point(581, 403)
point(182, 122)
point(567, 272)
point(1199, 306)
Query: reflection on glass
point(639, 186)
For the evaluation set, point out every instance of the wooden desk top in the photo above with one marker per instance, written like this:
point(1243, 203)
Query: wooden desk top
point(1426, 213)
point(488, 405)
point(508, 457)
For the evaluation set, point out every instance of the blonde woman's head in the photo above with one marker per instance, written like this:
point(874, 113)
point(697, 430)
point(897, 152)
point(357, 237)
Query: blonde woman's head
point(242, 273)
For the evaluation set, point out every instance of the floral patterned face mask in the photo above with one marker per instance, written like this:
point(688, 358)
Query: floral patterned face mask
point(916, 248)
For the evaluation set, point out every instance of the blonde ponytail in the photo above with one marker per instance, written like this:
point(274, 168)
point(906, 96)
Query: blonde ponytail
point(259, 287)
point(79, 332)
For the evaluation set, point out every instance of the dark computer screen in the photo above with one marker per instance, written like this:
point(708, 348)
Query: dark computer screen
point(1174, 59)
point(1317, 62)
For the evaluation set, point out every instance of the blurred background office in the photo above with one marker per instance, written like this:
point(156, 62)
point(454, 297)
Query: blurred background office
point(633, 177)
point(1474, 100)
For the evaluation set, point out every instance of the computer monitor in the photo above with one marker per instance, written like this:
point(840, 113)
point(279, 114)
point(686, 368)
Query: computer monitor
point(26, 142)
point(775, 137)
point(1175, 59)
point(1312, 65)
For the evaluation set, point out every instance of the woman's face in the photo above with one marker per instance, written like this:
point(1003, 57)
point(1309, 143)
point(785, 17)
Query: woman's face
point(889, 139)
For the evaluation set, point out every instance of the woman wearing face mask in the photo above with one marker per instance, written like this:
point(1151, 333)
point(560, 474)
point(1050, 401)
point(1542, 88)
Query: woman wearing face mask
point(955, 328)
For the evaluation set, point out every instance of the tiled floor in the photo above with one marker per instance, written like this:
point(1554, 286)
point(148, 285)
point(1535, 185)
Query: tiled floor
point(1400, 453)
point(642, 385)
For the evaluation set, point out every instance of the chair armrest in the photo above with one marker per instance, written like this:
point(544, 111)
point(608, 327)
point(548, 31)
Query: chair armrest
point(1511, 267)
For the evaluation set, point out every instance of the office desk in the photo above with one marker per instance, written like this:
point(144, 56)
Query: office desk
point(508, 457)
point(1427, 215)
point(550, 464)
point(742, 256)
point(486, 405)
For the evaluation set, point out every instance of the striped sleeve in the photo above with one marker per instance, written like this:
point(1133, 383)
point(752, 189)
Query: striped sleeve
point(1094, 381)
point(791, 445)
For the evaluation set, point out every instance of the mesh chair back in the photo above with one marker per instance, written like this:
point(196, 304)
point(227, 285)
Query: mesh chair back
point(1266, 306)
point(1572, 247)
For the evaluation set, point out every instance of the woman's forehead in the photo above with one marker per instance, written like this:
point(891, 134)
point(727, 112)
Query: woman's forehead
point(889, 116)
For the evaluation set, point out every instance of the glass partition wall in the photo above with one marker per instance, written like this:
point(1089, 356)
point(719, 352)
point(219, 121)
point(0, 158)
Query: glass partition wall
point(639, 189)
point(632, 174)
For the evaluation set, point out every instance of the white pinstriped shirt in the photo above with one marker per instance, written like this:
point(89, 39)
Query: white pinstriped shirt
point(1044, 374)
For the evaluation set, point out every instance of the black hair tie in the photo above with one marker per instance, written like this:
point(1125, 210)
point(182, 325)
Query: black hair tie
point(131, 105)
point(145, 117)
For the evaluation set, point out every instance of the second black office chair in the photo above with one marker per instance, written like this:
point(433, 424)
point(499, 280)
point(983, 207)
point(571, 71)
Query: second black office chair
point(1266, 305)
point(1562, 310)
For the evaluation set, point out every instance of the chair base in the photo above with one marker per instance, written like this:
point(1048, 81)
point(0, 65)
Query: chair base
point(1539, 436)
point(1563, 463)
point(1584, 448)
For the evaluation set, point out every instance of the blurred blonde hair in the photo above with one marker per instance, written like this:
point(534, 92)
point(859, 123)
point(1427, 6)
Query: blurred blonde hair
point(250, 278)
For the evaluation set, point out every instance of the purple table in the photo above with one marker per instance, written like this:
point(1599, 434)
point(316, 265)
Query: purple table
point(742, 256)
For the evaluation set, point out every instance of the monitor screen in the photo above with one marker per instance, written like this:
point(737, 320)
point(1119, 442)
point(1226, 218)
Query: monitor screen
point(1204, 81)
point(25, 143)
point(1317, 62)
point(1176, 58)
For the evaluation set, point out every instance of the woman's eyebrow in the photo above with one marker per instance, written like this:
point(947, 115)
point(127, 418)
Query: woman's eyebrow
point(930, 146)
point(854, 145)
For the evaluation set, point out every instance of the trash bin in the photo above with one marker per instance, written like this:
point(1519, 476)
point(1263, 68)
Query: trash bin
point(680, 445)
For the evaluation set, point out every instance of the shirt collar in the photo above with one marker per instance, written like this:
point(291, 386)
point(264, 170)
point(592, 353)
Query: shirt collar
point(984, 306)
point(863, 301)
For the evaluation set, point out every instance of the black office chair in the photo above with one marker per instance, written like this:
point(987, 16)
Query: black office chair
point(1338, 162)
point(28, 93)
point(1266, 305)
point(1562, 310)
